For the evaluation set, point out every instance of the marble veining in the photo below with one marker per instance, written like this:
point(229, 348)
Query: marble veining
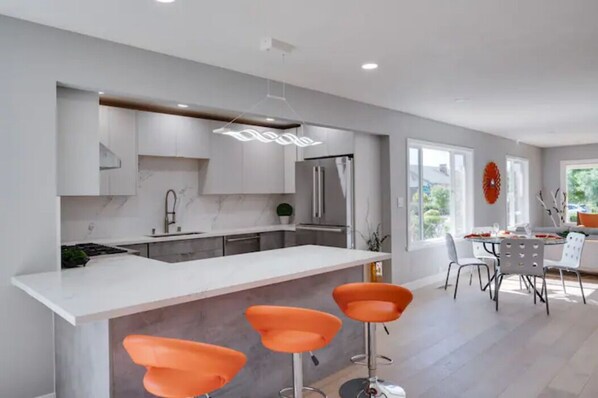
point(102, 217)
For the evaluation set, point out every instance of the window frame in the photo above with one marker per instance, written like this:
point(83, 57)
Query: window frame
point(526, 184)
point(564, 165)
point(469, 158)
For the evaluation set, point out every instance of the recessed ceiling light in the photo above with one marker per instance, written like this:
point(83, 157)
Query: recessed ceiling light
point(369, 66)
point(461, 100)
point(165, 1)
point(270, 119)
point(183, 106)
point(101, 92)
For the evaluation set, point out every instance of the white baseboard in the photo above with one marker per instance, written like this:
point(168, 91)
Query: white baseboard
point(52, 395)
point(427, 281)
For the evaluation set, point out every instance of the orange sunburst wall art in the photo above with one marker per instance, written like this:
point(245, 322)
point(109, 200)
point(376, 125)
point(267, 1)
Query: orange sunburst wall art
point(491, 183)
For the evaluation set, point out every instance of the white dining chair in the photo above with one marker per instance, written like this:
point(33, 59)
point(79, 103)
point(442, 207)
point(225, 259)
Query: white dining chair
point(480, 252)
point(570, 260)
point(463, 262)
point(522, 257)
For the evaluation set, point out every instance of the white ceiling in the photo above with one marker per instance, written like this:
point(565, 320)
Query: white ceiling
point(528, 70)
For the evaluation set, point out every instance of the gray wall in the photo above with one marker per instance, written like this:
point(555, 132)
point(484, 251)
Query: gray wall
point(35, 58)
point(551, 165)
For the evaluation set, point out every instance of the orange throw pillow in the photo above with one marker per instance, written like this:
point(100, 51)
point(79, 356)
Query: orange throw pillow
point(588, 220)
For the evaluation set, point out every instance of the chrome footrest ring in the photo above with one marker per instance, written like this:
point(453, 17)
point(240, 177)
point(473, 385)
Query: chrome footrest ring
point(361, 359)
point(284, 393)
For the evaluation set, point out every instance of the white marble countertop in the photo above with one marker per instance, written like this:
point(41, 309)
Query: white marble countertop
point(122, 285)
point(133, 240)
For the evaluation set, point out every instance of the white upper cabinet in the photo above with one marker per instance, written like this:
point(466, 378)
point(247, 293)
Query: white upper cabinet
point(237, 167)
point(118, 132)
point(290, 157)
point(223, 173)
point(78, 143)
point(334, 142)
point(173, 136)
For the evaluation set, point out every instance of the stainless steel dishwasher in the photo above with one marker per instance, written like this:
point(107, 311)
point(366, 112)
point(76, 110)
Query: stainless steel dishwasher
point(239, 244)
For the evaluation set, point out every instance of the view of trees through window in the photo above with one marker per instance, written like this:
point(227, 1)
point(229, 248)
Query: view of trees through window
point(582, 190)
point(437, 192)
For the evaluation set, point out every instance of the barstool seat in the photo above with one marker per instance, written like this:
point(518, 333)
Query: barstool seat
point(372, 303)
point(180, 368)
point(294, 331)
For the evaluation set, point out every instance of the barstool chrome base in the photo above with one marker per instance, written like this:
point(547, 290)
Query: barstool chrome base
point(370, 388)
point(361, 359)
point(288, 392)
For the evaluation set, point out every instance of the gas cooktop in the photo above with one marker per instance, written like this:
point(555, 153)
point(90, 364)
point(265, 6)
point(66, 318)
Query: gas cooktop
point(94, 249)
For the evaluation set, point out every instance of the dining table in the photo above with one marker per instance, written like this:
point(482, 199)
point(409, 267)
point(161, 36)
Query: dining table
point(491, 243)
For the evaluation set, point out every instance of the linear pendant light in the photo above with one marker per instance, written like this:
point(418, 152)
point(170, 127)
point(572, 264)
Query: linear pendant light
point(251, 134)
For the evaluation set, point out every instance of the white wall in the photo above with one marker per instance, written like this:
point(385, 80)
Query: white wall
point(551, 165)
point(88, 217)
point(35, 58)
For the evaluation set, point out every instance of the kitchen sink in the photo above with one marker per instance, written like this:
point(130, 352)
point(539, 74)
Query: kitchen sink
point(174, 234)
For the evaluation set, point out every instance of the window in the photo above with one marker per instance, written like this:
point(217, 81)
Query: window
point(517, 191)
point(440, 191)
point(580, 179)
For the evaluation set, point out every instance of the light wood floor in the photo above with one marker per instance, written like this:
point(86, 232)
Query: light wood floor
point(462, 348)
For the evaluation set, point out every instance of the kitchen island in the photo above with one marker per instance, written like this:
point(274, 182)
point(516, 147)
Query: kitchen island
point(203, 300)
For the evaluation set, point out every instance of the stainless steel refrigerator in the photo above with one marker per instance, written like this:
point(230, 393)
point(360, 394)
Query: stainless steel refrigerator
point(324, 202)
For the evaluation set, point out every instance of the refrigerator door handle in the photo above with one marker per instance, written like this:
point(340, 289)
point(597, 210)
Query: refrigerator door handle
point(314, 192)
point(322, 192)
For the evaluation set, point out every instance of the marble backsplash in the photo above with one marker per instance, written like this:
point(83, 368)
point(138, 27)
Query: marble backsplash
point(121, 216)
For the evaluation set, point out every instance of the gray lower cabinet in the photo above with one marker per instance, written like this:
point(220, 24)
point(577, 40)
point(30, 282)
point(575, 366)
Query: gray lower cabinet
point(240, 244)
point(272, 240)
point(290, 239)
point(186, 250)
point(142, 248)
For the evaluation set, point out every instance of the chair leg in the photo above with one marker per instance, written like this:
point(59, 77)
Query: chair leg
point(535, 300)
point(563, 281)
point(457, 282)
point(581, 286)
point(448, 272)
point(546, 295)
point(520, 283)
point(489, 284)
point(470, 276)
point(496, 289)
point(480, 278)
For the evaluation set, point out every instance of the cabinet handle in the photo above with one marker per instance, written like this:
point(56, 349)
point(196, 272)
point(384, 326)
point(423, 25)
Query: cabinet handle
point(242, 239)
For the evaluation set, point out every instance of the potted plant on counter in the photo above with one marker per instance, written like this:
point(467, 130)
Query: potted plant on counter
point(374, 242)
point(72, 257)
point(284, 211)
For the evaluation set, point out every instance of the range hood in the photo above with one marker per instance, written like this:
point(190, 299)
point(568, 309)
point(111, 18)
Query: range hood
point(108, 159)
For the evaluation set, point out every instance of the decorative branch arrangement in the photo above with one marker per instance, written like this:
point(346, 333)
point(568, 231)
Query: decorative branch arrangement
point(558, 211)
point(375, 239)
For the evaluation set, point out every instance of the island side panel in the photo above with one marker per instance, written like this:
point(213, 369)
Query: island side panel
point(220, 320)
point(82, 359)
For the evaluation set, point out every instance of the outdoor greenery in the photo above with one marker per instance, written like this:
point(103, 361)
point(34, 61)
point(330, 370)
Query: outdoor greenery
point(582, 187)
point(436, 212)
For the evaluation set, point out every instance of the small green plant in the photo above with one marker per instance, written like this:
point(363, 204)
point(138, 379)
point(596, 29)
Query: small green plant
point(284, 210)
point(73, 257)
point(375, 239)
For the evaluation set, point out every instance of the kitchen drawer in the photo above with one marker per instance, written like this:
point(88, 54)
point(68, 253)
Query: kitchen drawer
point(239, 244)
point(271, 240)
point(141, 248)
point(290, 239)
point(186, 250)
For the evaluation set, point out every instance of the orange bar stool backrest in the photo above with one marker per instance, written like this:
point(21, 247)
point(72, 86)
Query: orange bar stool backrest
point(180, 368)
point(294, 331)
point(291, 329)
point(372, 302)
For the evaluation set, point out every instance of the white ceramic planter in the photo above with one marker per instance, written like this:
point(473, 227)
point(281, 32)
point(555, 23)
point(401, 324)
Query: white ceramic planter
point(284, 220)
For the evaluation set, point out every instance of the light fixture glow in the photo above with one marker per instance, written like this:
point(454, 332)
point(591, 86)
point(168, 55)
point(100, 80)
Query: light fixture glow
point(165, 1)
point(369, 66)
point(101, 92)
point(183, 106)
point(270, 119)
point(267, 137)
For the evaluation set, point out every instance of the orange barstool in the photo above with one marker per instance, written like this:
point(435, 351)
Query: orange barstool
point(183, 369)
point(373, 303)
point(294, 331)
